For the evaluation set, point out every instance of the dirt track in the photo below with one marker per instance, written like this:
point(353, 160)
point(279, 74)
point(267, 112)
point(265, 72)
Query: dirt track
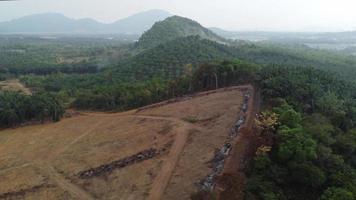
point(74, 190)
point(55, 153)
point(161, 181)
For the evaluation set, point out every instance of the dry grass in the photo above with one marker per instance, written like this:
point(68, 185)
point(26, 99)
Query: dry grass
point(14, 85)
point(54, 154)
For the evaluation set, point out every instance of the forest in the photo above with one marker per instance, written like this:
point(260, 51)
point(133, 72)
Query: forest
point(21, 55)
point(313, 137)
point(307, 129)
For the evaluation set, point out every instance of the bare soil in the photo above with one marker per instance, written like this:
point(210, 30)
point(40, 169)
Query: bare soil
point(45, 161)
point(14, 85)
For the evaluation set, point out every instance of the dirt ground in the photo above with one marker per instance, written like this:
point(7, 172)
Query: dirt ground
point(46, 161)
point(14, 85)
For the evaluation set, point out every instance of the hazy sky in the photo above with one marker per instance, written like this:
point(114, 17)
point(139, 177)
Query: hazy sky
point(268, 15)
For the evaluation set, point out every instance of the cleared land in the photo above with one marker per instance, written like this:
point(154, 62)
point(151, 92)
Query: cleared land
point(14, 85)
point(158, 152)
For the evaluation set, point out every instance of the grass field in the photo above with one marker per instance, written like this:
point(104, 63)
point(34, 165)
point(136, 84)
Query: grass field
point(46, 161)
point(14, 85)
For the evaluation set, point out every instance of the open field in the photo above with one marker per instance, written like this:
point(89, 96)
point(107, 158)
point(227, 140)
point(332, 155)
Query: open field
point(158, 152)
point(14, 85)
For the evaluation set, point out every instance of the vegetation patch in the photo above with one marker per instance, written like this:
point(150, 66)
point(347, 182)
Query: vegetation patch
point(191, 119)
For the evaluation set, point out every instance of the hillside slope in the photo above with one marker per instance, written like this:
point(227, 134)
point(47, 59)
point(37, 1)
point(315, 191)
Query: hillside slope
point(173, 28)
point(168, 59)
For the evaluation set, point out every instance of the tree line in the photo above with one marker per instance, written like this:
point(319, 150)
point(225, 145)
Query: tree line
point(313, 148)
point(17, 108)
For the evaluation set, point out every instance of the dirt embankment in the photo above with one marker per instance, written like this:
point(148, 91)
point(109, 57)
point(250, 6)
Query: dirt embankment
point(231, 183)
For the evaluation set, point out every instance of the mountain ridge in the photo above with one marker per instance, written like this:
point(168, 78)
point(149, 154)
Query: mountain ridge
point(59, 23)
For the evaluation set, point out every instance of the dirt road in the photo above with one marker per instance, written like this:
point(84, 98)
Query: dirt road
point(182, 132)
point(164, 176)
point(74, 190)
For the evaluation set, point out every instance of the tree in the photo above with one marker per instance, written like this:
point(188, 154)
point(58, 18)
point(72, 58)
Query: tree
point(334, 193)
point(294, 144)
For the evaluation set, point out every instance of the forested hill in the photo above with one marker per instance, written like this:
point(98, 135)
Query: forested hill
point(170, 45)
point(173, 28)
point(168, 60)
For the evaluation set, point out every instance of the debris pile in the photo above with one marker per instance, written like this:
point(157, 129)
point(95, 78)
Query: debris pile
point(108, 168)
point(241, 121)
point(22, 192)
point(208, 183)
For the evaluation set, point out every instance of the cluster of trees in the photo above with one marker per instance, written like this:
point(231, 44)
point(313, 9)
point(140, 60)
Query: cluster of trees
point(76, 68)
point(120, 97)
point(313, 154)
point(297, 55)
point(167, 60)
point(107, 91)
point(34, 55)
point(17, 108)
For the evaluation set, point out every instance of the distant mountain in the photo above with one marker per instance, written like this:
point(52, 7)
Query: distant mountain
point(58, 23)
point(139, 23)
point(173, 28)
point(48, 23)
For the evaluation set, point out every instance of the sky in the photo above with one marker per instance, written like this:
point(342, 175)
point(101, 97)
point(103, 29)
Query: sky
point(238, 15)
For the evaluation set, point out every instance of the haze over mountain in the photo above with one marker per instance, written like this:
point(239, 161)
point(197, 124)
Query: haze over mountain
point(58, 23)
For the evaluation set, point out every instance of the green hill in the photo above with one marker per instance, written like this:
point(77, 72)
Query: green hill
point(169, 45)
point(173, 28)
point(168, 59)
